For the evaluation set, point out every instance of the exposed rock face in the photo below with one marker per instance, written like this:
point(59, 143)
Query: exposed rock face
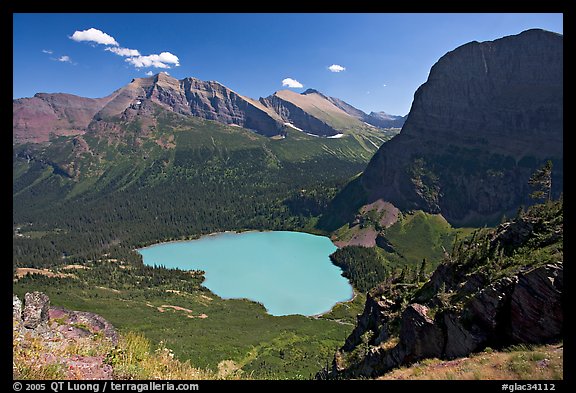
point(44, 116)
point(495, 289)
point(193, 97)
point(213, 101)
point(489, 115)
point(374, 319)
point(489, 305)
point(55, 327)
point(284, 104)
point(37, 118)
point(536, 305)
point(94, 322)
point(420, 337)
point(459, 341)
point(525, 308)
point(35, 313)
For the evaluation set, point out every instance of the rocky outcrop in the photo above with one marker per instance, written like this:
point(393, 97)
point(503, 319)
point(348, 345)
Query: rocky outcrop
point(536, 305)
point(420, 337)
point(91, 323)
point(374, 319)
point(458, 340)
point(35, 311)
point(496, 288)
point(46, 333)
point(524, 308)
point(488, 116)
point(37, 316)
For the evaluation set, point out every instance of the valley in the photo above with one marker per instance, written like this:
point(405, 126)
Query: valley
point(91, 200)
point(449, 230)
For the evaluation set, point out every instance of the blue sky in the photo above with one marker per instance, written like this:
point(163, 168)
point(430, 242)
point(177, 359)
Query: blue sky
point(379, 60)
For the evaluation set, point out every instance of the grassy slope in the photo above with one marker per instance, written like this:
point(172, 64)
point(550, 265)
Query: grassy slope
point(515, 363)
point(421, 235)
point(415, 236)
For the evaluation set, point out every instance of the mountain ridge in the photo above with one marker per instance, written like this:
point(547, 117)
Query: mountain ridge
point(48, 115)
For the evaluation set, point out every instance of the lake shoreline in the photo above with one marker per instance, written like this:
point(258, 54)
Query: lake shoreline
point(316, 316)
point(287, 272)
point(235, 232)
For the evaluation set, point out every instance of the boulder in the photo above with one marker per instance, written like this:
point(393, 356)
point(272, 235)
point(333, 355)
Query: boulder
point(36, 306)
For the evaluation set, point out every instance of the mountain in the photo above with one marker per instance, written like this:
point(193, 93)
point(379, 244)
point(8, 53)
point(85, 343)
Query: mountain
point(310, 112)
point(39, 118)
point(489, 115)
point(319, 114)
point(384, 120)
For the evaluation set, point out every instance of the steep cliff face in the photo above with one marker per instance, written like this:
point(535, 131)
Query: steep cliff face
point(306, 113)
point(503, 286)
point(488, 116)
point(213, 101)
point(193, 97)
point(40, 118)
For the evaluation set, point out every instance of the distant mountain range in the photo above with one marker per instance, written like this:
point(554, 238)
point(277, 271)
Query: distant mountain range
point(38, 118)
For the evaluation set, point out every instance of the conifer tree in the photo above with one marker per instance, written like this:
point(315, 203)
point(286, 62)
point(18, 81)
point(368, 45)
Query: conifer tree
point(541, 182)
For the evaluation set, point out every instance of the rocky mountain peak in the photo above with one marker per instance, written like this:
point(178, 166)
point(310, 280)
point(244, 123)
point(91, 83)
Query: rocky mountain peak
point(312, 91)
point(488, 116)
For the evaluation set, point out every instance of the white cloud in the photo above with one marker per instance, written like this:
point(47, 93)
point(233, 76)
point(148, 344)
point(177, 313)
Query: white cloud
point(149, 73)
point(65, 59)
point(94, 35)
point(292, 83)
point(123, 51)
point(48, 51)
point(163, 60)
point(336, 68)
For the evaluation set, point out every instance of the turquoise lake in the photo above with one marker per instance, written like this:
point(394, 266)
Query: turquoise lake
point(288, 272)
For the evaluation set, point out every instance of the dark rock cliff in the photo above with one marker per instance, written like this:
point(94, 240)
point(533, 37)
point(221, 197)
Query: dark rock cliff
point(503, 286)
point(489, 115)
